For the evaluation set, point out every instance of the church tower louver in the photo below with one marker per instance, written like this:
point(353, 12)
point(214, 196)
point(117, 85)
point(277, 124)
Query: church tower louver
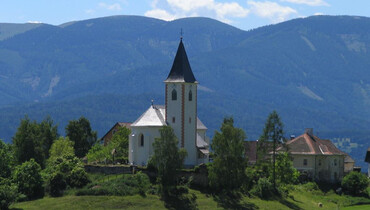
point(181, 103)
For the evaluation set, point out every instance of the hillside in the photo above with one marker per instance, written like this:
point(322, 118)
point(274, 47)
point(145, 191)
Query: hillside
point(313, 71)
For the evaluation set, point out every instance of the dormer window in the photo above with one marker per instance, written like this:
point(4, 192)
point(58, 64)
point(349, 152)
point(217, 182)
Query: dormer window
point(190, 96)
point(174, 95)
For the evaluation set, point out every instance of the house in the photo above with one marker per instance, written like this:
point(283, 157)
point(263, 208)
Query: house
point(108, 136)
point(179, 112)
point(367, 159)
point(320, 159)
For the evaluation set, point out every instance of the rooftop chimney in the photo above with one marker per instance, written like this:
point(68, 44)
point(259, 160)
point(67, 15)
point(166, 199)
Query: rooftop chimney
point(309, 131)
point(292, 137)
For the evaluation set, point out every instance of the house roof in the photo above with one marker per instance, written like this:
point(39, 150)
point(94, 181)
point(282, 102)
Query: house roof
point(367, 158)
point(155, 116)
point(200, 142)
point(312, 145)
point(200, 125)
point(181, 70)
point(121, 124)
point(348, 159)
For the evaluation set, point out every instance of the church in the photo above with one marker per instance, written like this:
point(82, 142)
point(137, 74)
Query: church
point(179, 112)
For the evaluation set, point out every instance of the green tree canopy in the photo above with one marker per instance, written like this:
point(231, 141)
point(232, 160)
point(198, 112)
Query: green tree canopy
point(26, 142)
point(80, 132)
point(61, 147)
point(33, 140)
point(48, 133)
point(227, 170)
point(355, 183)
point(167, 158)
point(118, 143)
point(285, 172)
point(28, 179)
point(6, 160)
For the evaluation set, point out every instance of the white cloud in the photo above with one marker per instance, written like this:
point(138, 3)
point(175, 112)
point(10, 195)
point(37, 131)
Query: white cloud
point(271, 10)
point(34, 22)
point(318, 13)
point(160, 14)
point(112, 7)
point(308, 2)
point(190, 8)
point(190, 5)
point(230, 9)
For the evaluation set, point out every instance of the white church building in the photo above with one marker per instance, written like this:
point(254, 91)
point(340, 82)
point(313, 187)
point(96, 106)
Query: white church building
point(179, 112)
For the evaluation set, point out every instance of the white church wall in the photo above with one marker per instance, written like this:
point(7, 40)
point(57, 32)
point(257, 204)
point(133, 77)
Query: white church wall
point(140, 154)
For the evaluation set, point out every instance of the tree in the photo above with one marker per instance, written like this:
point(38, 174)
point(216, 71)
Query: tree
point(28, 179)
point(8, 193)
point(62, 171)
point(285, 172)
point(119, 142)
point(80, 132)
point(6, 158)
point(273, 132)
point(167, 158)
point(26, 142)
point(48, 133)
point(355, 183)
point(227, 170)
point(33, 140)
point(61, 147)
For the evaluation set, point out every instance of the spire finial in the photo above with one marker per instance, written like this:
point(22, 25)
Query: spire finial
point(181, 33)
point(152, 102)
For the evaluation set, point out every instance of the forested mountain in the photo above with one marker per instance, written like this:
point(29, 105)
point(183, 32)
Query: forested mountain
point(314, 71)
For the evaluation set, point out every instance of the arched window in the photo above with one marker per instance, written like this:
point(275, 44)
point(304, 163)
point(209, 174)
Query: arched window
point(174, 95)
point(141, 140)
point(335, 162)
point(190, 96)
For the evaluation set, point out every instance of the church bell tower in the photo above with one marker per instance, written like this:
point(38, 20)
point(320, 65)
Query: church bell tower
point(181, 104)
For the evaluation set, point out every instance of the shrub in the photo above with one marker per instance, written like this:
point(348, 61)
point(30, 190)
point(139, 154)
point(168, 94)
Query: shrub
point(8, 193)
point(355, 183)
point(56, 184)
point(78, 177)
point(264, 188)
point(310, 186)
point(142, 183)
point(128, 185)
point(28, 179)
point(68, 168)
point(179, 198)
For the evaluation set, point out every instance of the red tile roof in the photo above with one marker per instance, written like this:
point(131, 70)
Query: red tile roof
point(313, 145)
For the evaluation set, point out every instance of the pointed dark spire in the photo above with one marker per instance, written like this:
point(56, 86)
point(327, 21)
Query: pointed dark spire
point(181, 70)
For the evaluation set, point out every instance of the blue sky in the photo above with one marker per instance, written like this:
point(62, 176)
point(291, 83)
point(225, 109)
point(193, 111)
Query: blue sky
point(244, 14)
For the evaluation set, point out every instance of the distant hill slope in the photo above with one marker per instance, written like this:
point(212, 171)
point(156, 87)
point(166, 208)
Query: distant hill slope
point(314, 71)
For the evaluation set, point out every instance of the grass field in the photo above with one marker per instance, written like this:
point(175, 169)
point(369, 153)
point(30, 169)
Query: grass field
point(300, 197)
point(299, 200)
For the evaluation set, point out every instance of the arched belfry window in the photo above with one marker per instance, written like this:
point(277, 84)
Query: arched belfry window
point(174, 95)
point(190, 96)
point(141, 140)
